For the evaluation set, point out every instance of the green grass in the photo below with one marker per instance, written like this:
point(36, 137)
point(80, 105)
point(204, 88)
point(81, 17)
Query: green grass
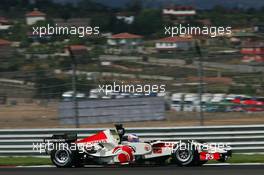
point(242, 158)
point(24, 161)
point(28, 161)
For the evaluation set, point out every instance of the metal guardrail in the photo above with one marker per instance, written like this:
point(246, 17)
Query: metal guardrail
point(242, 138)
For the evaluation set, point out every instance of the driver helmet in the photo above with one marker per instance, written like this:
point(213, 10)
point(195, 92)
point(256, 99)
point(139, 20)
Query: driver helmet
point(132, 138)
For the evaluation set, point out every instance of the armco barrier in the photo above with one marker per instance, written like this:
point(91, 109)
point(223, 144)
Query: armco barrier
point(242, 138)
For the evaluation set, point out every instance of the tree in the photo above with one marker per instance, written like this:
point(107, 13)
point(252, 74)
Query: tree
point(134, 6)
point(249, 90)
point(18, 32)
point(65, 14)
point(148, 22)
point(48, 86)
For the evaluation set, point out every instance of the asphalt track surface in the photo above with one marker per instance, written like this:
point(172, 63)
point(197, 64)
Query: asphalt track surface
point(170, 170)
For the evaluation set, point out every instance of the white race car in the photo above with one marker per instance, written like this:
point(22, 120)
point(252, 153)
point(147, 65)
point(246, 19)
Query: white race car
point(114, 147)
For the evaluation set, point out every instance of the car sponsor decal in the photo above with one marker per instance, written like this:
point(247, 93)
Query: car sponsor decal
point(209, 156)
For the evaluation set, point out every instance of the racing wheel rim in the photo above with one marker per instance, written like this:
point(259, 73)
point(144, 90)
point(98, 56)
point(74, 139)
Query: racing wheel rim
point(62, 156)
point(183, 155)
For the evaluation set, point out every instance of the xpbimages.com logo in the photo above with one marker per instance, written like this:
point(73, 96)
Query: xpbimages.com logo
point(80, 31)
point(146, 89)
point(50, 145)
point(211, 31)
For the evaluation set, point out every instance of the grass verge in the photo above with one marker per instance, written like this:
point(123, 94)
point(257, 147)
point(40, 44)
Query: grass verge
point(24, 161)
point(243, 158)
point(29, 161)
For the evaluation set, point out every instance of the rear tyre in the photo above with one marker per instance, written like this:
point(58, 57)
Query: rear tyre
point(184, 155)
point(62, 158)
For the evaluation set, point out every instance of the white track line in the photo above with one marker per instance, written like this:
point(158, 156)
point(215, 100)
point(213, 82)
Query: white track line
point(98, 166)
point(230, 164)
point(36, 166)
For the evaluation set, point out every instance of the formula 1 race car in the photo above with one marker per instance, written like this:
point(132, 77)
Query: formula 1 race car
point(114, 147)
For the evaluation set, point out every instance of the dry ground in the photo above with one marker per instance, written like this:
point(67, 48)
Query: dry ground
point(36, 116)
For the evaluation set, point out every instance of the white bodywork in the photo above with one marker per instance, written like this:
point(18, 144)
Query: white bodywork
point(105, 147)
point(144, 149)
